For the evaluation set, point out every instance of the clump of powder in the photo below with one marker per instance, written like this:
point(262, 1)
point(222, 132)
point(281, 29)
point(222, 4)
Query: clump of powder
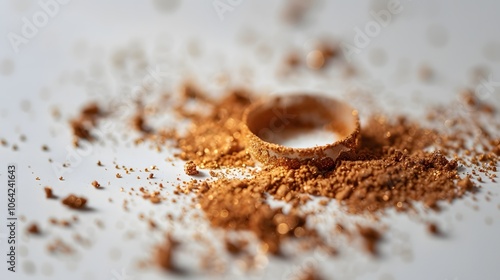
point(85, 122)
point(75, 202)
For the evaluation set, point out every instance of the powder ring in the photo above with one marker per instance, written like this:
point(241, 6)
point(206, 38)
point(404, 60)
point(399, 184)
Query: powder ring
point(273, 115)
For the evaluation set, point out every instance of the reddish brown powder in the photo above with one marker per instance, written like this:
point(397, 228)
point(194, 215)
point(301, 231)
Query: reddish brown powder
point(75, 202)
point(216, 140)
point(371, 237)
point(33, 229)
point(391, 168)
point(164, 253)
point(233, 205)
point(399, 164)
point(48, 192)
point(85, 122)
point(190, 168)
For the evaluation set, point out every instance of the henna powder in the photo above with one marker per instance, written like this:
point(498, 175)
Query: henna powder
point(400, 164)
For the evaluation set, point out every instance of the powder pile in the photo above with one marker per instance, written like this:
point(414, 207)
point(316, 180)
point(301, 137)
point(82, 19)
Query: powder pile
point(215, 140)
point(390, 168)
point(399, 165)
point(394, 167)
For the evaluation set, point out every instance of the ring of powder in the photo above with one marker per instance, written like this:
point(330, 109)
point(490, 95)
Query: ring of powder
point(276, 114)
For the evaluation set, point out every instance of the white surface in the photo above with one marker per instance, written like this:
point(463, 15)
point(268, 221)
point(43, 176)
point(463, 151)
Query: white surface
point(83, 34)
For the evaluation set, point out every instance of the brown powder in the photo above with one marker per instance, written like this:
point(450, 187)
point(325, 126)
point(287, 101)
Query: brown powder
point(85, 122)
point(433, 228)
point(399, 164)
point(371, 237)
point(391, 169)
point(190, 168)
point(75, 202)
point(33, 229)
point(96, 184)
point(48, 192)
point(216, 140)
point(235, 247)
point(58, 246)
point(310, 274)
point(164, 253)
point(139, 123)
point(233, 205)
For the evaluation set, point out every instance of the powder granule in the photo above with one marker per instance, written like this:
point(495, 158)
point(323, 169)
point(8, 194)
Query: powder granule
point(85, 122)
point(33, 229)
point(190, 168)
point(216, 140)
point(48, 192)
point(75, 202)
point(164, 253)
point(371, 237)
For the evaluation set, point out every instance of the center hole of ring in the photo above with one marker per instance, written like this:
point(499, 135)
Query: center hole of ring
point(301, 136)
point(301, 121)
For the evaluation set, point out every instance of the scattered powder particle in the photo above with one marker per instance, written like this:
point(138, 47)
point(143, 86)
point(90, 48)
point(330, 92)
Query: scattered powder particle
point(164, 253)
point(45, 148)
point(190, 168)
point(155, 199)
point(295, 11)
point(315, 60)
point(65, 223)
point(118, 175)
point(292, 60)
point(139, 124)
point(33, 229)
point(96, 184)
point(83, 124)
point(433, 229)
point(465, 183)
point(310, 273)
point(99, 163)
point(48, 192)
point(235, 247)
point(61, 178)
point(371, 237)
point(152, 224)
point(60, 247)
point(75, 202)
